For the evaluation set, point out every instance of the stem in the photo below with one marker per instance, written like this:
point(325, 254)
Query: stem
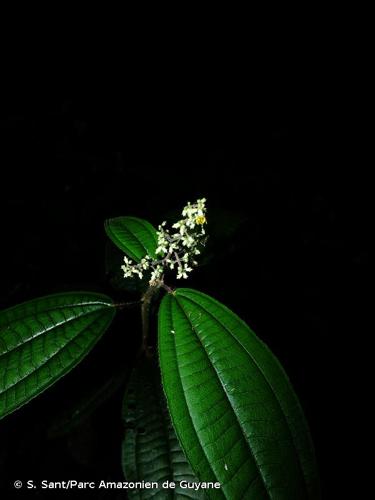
point(145, 311)
point(178, 260)
point(122, 305)
point(167, 288)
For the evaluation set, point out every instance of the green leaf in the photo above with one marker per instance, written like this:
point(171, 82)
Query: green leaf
point(43, 339)
point(151, 451)
point(136, 237)
point(232, 405)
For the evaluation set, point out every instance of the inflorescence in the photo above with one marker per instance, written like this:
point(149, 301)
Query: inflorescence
point(175, 250)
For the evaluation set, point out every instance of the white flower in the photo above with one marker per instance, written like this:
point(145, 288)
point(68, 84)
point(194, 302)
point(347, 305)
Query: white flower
point(173, 249)
point(144, 264)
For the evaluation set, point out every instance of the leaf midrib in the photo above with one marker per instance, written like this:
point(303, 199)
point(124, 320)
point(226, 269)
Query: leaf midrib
point(228, 399)
point(70, 341)
point(49, 308)
point(53, 379)
point(133, 235)
point(187, 406)
point(147, 227)
point(267, 381)
point(58, 325)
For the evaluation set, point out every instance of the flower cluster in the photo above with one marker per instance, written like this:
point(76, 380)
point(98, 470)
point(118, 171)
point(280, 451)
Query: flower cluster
point(175, 250)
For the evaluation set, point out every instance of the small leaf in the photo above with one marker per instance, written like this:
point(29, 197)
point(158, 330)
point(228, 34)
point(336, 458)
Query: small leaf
point(43, 339)
point(136, 237)
point(232, 406)
point(150, 450)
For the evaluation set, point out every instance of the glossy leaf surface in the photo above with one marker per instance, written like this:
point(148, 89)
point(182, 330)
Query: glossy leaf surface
point(232, 405)
point(135, 237)
point(43, 339)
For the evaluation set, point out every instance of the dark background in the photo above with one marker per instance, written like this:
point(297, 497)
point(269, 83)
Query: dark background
point(294, 270)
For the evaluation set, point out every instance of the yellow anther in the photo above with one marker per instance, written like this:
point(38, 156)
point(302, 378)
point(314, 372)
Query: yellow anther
point(200, 219)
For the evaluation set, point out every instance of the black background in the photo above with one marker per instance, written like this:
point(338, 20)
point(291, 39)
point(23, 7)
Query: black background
point(287, 164)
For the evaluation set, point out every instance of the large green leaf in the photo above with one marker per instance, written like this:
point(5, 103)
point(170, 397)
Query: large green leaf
point(136, 237)
point(232, 405)
point(43, 339)
point(151, 451)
